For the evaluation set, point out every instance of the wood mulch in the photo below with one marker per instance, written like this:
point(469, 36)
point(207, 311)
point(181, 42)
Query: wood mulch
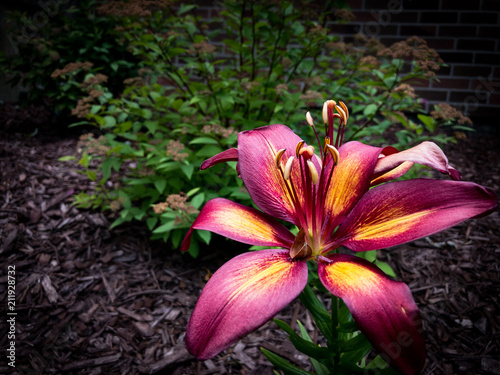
point(94, 301)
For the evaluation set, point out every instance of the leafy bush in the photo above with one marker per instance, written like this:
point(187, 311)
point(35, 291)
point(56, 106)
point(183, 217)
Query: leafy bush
point(73, 34)
point(199, 83)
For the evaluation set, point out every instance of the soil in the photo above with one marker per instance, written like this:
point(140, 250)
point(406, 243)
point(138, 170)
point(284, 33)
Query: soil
point(90, 300)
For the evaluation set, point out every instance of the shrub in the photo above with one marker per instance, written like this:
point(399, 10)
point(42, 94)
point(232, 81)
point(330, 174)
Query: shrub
point(198, 83)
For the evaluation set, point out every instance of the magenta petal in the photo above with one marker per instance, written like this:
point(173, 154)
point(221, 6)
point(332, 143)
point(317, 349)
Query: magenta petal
point(383, 309)
point(402, 211)
point(394, 164)
point(241, 296)
point(240, 223)
point(222, 157)
point(257, 160)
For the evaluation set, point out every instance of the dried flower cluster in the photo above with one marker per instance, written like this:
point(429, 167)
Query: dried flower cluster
point(446, 112)
point(141, 8)
point(218, 129)
point(175, 150)
point(175, 202)
point(415, 48)
point(311, 96)
point(281, 88)
point(83, 105)
point(369, 62)
point(134, 81)
point(95, 80)
point(92, 145)
point(406, 89)
point(116, 204)
point(201, 47)
point(344, 15)
point(248, 86)
point(72, 67)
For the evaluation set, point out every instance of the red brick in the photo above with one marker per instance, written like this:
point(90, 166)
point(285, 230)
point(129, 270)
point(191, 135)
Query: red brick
point(476, 44)
point(419, 30)
point(439, 17)
point(404, 17)
point(496, 73)
point(418, 82)
point(430, 94)
point(491, 5)
point(440, 44)
point(457, 31)
point(471, 71)
point(356, 4)
point(495, 99)
point(456, 57)
point(489, 31)
point(487, 58)
point(479, 18)
point(460, 5)
point(485, 84)
point(451, 83)
point(466, 96)
point(364, 16)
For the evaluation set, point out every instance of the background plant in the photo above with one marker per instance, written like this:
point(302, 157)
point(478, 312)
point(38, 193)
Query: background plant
point(198, 83)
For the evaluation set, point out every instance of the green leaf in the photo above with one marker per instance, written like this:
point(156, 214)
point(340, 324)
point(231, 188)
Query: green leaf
point(428, 121)
point(151, 222)
point(370, 110)
point(205, 235)
point(188, 170)
point(167, 227)
point(385, 267)
point(160, 185)
point(203, 140)
point(283, 364)
point(320, 314)
point(67, 158)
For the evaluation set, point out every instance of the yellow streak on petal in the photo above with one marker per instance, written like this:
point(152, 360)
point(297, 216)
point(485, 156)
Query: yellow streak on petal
point(392, 224)
point(351, 277)
point(261, 276)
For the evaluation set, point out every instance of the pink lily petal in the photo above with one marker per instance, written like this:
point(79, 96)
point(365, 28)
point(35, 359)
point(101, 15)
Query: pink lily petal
point(403, 211)
point(394, 164)
point(383, 309)
point(222, 157)
point(257, 160)
point(240, 223)
point(241, 296)
point(350, 180)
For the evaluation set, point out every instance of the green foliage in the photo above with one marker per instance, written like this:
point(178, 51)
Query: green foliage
point(346, 348)
point(193, 84)
point(72, 34)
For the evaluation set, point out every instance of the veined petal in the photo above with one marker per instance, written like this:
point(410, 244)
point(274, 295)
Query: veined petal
point(403, 211)
point(383, 309)
point(240, 223)
point(395, 164)
point(350, 180)
point(257, 161)
point(241, 296)
point(222, 157)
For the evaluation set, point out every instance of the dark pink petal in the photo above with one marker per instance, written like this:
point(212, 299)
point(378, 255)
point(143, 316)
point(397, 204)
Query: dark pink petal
point(395, 164)
point(383, 309)
point(240, 223)
point(403, 211)
point(257, 161)
point(351, 179)
point(241, 296)
point(224, 156)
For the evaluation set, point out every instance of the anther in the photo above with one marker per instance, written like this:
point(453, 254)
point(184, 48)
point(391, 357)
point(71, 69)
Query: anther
point(279, 155)
point(288, 168)
point(299, 146)
point(334, 152)
point(342, 113)
point(313, 172)
point(346, 110)
point(325, 109)
point(307, 152)
point(309, 119)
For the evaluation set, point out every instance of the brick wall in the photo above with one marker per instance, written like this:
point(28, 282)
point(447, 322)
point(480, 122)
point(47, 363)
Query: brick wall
point(465, 33)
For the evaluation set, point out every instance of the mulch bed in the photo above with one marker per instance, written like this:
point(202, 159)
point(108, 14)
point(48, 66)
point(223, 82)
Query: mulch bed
point(94, 301)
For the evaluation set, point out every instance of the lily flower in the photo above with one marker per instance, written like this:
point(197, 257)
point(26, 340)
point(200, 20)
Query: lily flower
point(339, 198)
